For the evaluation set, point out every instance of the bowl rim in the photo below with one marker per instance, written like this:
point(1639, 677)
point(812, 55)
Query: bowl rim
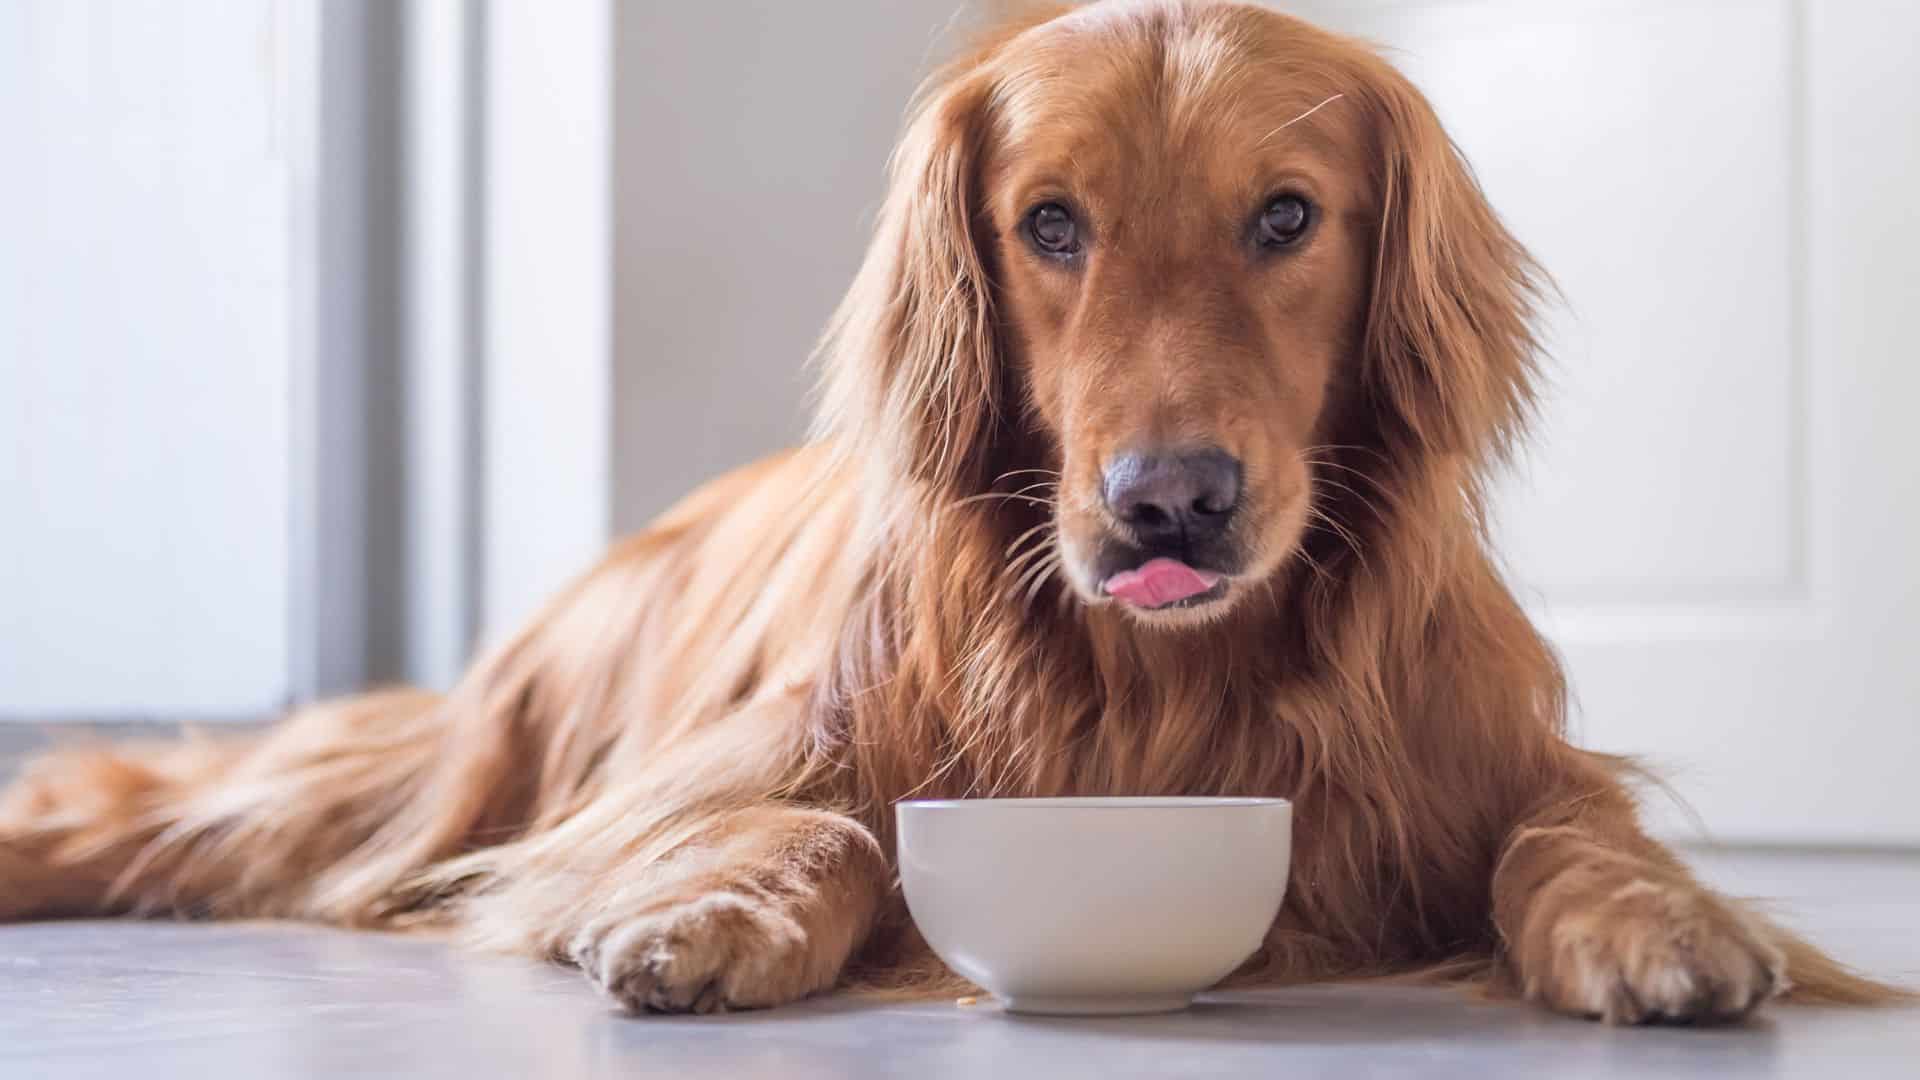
point(1101, 802)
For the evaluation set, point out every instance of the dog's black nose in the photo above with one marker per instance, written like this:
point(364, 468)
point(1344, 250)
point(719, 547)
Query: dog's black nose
point(1171, 497)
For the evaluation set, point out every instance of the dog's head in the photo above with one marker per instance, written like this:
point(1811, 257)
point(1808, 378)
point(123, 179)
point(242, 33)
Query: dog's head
point(1173, 271)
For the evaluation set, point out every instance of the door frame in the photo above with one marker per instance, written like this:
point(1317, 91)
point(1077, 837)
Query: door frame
point(452, 223)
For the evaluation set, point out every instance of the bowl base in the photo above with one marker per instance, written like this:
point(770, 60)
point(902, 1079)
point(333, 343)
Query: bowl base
point(1095, 1004)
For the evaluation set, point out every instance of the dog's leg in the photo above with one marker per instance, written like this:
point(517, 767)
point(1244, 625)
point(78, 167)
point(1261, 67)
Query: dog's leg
point(1600, 921)
point(763, 907)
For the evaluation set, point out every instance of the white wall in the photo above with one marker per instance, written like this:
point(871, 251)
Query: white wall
point(750, 142)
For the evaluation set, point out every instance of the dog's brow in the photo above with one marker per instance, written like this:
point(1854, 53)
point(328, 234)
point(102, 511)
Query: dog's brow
point(1301, 117)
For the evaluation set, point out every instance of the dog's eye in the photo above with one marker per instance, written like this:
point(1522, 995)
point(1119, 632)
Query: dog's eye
point(1284, 221)
point(1053, 230)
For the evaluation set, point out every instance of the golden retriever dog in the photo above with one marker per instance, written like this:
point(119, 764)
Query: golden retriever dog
point(1151, 459)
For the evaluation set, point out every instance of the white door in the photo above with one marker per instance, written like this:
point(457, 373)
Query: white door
point(1720, 521)
point(145, 360)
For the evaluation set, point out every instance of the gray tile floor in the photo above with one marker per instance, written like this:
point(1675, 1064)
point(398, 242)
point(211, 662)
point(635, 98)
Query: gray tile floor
point(261, 1001)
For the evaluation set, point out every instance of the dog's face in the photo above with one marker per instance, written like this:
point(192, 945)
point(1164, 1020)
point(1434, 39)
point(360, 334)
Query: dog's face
point(1181, 230)
point(1160, 266)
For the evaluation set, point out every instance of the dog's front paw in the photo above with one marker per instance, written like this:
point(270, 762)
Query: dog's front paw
point(704, 954)
point(1639, 951)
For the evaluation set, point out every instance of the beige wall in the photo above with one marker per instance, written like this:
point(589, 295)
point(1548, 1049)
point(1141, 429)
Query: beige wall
point(750, 142)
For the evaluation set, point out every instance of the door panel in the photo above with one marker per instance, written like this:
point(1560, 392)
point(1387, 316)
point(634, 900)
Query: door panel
point(144, 360)
point(1719, 518)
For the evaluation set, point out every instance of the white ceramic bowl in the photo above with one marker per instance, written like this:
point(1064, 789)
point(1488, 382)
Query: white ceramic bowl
point(1125, 905)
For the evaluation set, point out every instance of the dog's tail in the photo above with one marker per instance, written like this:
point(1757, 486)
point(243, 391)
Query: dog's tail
point(232, 825)
point(342, 812)
point(339, 812)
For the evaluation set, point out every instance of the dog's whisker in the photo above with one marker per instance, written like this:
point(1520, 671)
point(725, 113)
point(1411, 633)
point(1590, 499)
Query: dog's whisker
point(1022, 538)
point(1011, 473)
point(1049, 568)
point(1036, 565)
point(1007, 496)
point(1370, 506)
point(1301, 117)
point(1328, 463)
point(1033, 551)
point(1047, 561)
point(1038, 572)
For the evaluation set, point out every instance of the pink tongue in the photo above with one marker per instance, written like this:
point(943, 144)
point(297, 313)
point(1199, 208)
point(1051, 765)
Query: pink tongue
point(1159, 582)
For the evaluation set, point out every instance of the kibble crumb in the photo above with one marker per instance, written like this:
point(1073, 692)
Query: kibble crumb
point(968, 1001)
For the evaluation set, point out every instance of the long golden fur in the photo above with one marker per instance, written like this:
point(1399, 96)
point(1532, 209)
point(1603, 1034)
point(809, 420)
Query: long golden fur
point(680, 776)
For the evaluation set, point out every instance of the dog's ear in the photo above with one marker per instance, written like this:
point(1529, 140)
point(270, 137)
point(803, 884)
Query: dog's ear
point(911, 364)
point(1450, 348)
